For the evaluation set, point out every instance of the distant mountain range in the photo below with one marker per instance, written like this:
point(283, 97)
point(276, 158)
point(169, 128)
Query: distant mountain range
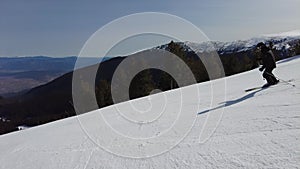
point(19, 74)
point(53, 100)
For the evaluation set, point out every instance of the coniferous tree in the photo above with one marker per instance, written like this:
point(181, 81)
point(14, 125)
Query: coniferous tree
point(103, 93)
point(141, 85)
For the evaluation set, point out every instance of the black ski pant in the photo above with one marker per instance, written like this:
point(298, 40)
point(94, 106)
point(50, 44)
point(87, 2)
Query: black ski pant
point(268, 75)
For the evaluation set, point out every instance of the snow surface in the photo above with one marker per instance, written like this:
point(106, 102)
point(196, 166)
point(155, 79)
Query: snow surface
point(259, 129)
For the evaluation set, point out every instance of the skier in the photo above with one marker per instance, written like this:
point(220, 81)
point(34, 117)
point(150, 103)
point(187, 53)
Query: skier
point(268, 64)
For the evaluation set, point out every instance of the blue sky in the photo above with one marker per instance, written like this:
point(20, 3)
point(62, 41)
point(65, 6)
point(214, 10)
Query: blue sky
point(60, 28)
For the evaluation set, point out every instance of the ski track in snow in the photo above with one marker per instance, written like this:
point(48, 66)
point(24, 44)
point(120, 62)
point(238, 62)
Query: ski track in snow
point(257, 130)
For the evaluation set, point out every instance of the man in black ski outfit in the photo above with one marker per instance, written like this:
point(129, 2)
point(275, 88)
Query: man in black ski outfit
point(268, 64)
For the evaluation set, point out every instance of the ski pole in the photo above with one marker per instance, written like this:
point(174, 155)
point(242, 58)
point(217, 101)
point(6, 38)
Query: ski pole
point(280, 79)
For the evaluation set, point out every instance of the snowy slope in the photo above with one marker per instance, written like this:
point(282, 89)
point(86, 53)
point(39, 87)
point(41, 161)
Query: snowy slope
point(259, 129)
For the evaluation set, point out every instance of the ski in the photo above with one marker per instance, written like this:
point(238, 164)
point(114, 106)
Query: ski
point(254, 88)
point(260, 87)
point(265, 86)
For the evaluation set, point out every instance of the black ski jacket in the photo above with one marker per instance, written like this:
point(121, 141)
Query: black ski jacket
point(268, 60)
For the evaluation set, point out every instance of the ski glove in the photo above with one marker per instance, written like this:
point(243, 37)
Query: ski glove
point(261, 69)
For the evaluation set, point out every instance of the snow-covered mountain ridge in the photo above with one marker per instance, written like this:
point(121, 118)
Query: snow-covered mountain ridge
point(280, 41)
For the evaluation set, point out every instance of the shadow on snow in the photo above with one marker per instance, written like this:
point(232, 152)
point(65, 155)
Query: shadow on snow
point(233, 102)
